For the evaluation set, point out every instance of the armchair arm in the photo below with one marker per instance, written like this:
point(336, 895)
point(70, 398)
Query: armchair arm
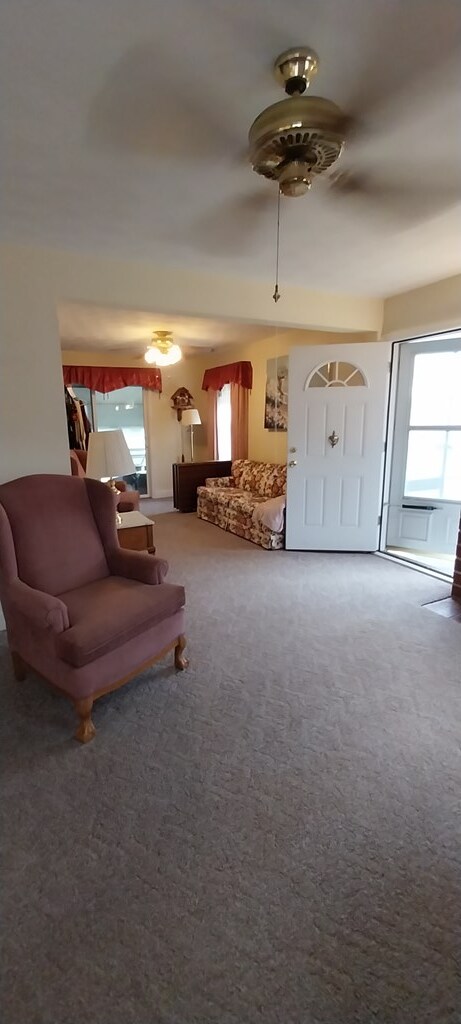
point(42, 610)
point(220, 481)
point(137, 565)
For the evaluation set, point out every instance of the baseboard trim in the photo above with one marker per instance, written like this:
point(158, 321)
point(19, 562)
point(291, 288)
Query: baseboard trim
point(159, 495)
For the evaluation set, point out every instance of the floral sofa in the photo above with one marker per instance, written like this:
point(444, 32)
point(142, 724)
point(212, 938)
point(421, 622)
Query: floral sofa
point(250, 503)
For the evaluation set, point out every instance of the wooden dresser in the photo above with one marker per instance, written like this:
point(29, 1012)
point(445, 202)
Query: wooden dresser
point(187, 476)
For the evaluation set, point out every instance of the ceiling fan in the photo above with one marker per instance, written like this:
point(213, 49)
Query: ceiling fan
point(300, 138)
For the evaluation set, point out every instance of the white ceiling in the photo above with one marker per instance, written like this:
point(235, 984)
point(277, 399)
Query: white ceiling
point(124, 127)
point(126, 332)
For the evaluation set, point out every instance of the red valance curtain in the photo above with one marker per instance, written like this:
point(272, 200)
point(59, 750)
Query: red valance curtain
point(111, 378)
point(232, 373)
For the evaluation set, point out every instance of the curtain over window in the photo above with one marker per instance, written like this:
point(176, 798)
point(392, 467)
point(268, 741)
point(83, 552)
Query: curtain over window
point(240, 377)
point(231, 373)
point(111, 378)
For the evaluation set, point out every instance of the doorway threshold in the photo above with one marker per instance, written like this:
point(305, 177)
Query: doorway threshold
point(448, 607)
point(435, 560)
point(417, 566)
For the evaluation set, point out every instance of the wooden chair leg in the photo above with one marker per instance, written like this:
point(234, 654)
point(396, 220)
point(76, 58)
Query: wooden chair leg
point(85, 729)
point(19, 667)
point(180, 662)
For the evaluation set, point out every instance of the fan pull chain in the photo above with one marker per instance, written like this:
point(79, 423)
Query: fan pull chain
point(276, 294)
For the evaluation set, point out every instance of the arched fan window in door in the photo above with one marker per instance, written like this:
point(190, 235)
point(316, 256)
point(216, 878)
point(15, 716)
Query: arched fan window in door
point(336, 375)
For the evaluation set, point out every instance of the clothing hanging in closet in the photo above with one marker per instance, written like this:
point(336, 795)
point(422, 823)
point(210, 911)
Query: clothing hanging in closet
point(78, 424)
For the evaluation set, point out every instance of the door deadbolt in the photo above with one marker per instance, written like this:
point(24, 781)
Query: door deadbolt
point(292, 450)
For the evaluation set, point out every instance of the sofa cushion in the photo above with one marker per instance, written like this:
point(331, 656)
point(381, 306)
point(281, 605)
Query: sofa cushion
point(105, 614)
point(265, 478)
point(245, 502)
point(238, 466)
point(272, 480)
point(220, 495)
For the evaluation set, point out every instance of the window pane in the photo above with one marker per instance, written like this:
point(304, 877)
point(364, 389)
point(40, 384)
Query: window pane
point(337, 374)
point(452, 475)
point(124, 408)
point(224, 422)
point(436, 390)
point(349, 374)
point(317, 381)
point(434, 465)
point(357, 380)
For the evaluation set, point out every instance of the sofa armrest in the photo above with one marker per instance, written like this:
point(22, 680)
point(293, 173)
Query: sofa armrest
point(220, 481)
point(137, 565)
point(42, 610)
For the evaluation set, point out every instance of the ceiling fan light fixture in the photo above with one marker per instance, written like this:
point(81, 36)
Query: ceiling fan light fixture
point(294, 178)
point(162, 351)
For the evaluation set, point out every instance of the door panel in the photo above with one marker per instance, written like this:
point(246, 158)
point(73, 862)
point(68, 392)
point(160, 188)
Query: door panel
point(350, 493)
point(336, 423)
point(314, 501)
point(354, 431)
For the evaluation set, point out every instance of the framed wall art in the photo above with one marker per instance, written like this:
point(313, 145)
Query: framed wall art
point(276, 401)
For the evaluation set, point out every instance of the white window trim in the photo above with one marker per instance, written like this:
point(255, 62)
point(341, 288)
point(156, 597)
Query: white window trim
point(407, 352)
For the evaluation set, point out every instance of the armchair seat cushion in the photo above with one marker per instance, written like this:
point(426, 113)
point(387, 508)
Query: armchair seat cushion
point(105, 614)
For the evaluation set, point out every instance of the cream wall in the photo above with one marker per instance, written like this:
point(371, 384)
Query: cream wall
point(266, 445)
point(436, 307)
point(33, 434)
point(164, 433)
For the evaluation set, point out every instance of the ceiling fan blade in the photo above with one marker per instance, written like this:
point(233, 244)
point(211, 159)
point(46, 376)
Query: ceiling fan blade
point(145, 108)
point(413, 46)
point(234, 224)
point(409, 202)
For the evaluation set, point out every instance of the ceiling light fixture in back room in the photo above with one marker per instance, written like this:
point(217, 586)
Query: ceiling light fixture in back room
point(162, 351)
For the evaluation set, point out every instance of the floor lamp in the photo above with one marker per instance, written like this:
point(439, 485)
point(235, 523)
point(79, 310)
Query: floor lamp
point(191, 419)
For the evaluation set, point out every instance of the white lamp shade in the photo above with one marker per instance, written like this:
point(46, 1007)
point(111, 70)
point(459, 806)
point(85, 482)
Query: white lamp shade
point(191, 418)
point(108, 455)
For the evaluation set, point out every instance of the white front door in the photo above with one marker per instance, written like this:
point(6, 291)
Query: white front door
point(336, 431)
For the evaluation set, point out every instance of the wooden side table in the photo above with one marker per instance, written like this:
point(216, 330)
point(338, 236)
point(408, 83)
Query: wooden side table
point(136, 532)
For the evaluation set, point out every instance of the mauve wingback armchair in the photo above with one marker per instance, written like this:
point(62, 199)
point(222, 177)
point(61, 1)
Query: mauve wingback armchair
point(83, 613)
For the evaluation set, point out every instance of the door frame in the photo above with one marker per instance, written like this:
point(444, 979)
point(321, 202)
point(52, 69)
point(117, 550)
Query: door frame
point(392, 431)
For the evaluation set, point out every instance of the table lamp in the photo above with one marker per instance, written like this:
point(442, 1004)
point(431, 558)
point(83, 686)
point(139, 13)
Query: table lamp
point(109, 457)
point(191, 418)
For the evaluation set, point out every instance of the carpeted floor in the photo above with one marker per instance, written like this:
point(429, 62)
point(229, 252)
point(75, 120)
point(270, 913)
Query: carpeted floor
point(272, 836)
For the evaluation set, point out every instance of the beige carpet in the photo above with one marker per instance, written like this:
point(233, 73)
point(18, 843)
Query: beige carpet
point(271, 837)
